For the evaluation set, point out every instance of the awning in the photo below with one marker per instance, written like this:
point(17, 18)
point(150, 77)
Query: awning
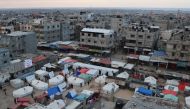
point(144, 58)
point(159, 53)
point(133, 56)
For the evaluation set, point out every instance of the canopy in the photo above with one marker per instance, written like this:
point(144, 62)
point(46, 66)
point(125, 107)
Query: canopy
point(56, 104)
point(151, 80)
point(53, 90)
point(83, 70)
point(92, 72)
point(165, 92)
point(133, 56)
point(144, 58)
point(110, 88)
point(41, 72)
point(117, 64)
point(171, 97)
point(40, 85)
point(56, 80)
point(170, 87)
point(71, 94)
point(145, 91)
point(129, 66)
point(159, 53)
point(187, 101)
point(86, 77)
point(81, 97)
point(124, 75)
point(22, 92)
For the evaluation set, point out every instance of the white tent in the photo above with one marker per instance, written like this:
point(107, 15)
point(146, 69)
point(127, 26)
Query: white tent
point(117, 64)
point(4, 77)
point(171, 87)
point(172, 82)
point(187, 101)
point(62, 87)
point(56, 80)
point(123, 75)
point(144, 58)
point(41, 74)
point(56, 104)
point(40, 85)
point(87, 92)
point(92, 72)
point(101, 79)
point(151, 80)
point(30, 78)
point(75, 81)
point(22, 92)
point(110, 88)
point(129, 66)
point(63, 59)
point(17, 83)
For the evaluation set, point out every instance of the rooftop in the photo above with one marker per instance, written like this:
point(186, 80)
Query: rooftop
point(19, 33)
point(97, 30)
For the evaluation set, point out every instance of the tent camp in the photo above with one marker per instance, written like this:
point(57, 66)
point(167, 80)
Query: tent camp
point(83, 70)
point(187, 101)
point(56, 104)
point(17, 83)
point(123, 75)
point(75, 81)
point(30, 78)
point(74, 105)
point(172, 82)
point(92, 72)
point(110, 88)
point(151, 80)
point(40, 85)
point(117, 64)
point(41, 74)
point(56, 80)
point(22, 92)
point(53, 91)
point(144, 91)
point(165, 92)
point(101, 79)
point(71, 94)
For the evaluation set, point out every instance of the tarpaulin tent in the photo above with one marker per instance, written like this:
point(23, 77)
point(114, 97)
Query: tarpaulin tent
point(77, 73)
point(170, 87)
point(86, 77)
point(83, 70)
point(145, 91)
point(165, 92)
point(172, 82)
point(171, 97)
point(151, 80)
point(53, 90)
point(92, 72)
point(71, 94)
point(81, 97)
point(144, 58)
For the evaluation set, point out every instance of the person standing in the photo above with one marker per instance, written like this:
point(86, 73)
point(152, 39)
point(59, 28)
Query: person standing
point(5, 91)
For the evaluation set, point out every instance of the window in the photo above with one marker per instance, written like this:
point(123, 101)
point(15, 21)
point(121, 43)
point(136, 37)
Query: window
point(173, 54)
point(139, 43)
point(95, 42)
point(88, 34)
point(58, 26)
point(5, 62)
point(110, 36)
point(148, 37)
point(183, 47)
point(89, 40)
point(181, 55)
point(141, 36)
point(82, 40)
point(48, 27)
point(132, 36)
point(53, 26)
point(174, 46)
point(102, 35)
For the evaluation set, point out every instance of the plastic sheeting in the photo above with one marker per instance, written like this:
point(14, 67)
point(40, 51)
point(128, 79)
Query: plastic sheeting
point(123, 75)
point(172, 82)
point(56, 80)
point(40, 85)
point(71, 94)
point(145, 91)
point(17, 83)
point(151, 80)
point(22, 92)
point(92, 72)
point(171, 97)
point(187, 101)
point(86, 77)
point(117, 64)
point(75, 81)
point(56, 104)
point(170, 87)
point(110, 88)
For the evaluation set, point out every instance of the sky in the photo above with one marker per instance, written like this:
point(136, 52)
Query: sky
point(95, 3)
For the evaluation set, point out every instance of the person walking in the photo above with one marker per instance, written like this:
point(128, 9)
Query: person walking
point(5, 91)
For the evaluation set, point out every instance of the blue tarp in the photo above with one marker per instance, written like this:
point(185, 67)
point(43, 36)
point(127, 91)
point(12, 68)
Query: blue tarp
point(144, 91)
point(71, 94)
point(159, 53)
point(53, 90)
point(77, 73)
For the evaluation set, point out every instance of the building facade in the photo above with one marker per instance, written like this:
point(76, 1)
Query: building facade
point(101, 39)
point(19, 42)
point(4, 57)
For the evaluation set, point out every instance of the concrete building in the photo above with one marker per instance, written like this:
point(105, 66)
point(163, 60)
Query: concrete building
point(19, 42)
point(6, 29)
point(177, 46)
point(67, 31)
point(4, 57)
point(47, 31)
point(94, 38)
point(140, 38)
point(26, 27)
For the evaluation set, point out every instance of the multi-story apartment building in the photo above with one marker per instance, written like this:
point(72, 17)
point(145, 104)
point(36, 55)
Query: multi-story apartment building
point(19, 42)
point(6, 29)
point(26, 27)
point(4, 57)
point(177, 46)
point(140, 38)
point(67, 31)
point(94, 38)
point(47, 31)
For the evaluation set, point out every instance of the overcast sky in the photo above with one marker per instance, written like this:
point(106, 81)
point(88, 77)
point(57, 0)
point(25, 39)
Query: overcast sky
point(95, 3)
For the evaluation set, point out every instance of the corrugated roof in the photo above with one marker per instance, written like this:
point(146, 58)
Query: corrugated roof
point(97, 30)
